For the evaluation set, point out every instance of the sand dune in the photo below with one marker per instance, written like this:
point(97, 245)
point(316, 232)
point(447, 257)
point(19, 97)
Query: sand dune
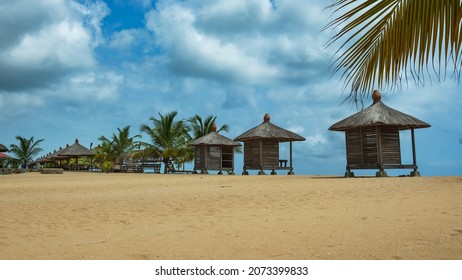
point(152, 216)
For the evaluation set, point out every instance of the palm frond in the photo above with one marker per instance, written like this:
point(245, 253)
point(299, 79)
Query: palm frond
point(386, 41)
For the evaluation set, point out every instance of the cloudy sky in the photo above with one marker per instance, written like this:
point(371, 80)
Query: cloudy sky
point(82, 69)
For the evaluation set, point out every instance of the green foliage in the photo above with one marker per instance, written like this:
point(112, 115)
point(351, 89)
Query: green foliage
point(200, 128)
point(119, 148)
point(26, 150)
point(169, 137)
point(107, 166)
point(386, 41)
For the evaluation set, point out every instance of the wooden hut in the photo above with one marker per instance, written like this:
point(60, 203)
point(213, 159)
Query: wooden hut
point(372, 138)
point(214, 152)
point(261, 147)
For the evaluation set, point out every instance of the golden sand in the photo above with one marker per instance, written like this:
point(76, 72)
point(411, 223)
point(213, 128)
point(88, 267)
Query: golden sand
point(153, 216)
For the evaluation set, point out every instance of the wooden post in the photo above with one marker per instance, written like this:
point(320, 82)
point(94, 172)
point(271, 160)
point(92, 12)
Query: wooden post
point(261, 154)
point(261, 172)
point(378, 135)
point(291, 171)
point(414, 157)
point(290, 154)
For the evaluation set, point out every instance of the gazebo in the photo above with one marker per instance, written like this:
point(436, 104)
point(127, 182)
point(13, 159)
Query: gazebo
point(261, 147)
point(74, 151)
point(214, 152)
point(372, 138)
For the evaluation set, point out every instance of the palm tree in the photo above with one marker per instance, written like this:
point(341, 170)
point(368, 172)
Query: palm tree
point(26, 150)
point(387, 41)
point(120, 146)
point(200, 128)
point(169, 138)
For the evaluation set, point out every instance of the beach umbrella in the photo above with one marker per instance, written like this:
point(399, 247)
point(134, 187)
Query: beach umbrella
point(3, 156)
point(3, 148)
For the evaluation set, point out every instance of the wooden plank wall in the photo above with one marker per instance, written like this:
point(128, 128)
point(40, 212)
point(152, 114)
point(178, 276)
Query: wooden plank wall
point(391, 152)
point(361, 146)
point(369, 140)
point(199, 156)
point(354, 147)
point(270, 153)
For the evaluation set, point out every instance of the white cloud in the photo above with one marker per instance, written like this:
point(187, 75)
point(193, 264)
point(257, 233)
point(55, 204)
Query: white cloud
point(93, 86)
point(61, 41)
point(17, 104)
point(237, 41)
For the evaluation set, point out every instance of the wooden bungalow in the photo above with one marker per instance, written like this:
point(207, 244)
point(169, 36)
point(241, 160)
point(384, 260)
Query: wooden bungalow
point(261, 147)
point(214, 152)
point(372, 138)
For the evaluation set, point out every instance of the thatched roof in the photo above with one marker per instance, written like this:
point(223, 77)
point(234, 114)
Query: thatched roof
point(3, 148)
point(379, 114)
point(56, 155)
point(213, 138)
point(267, 130)
point(76, 150)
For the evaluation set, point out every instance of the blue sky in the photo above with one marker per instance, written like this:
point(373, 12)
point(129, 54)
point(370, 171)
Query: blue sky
point(81, 69)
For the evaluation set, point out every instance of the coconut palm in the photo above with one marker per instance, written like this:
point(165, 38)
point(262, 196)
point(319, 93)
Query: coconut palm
point(26, 150)
point(168, 137)
point(120, 146)
point(386, 41)
point(200, 128)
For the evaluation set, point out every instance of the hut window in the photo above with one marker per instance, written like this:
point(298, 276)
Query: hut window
point(227, 157)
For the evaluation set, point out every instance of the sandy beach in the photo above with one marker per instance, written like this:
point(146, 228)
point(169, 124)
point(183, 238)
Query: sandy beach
point(151, 216)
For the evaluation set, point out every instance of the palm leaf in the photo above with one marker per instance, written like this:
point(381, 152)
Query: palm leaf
point(387, 41)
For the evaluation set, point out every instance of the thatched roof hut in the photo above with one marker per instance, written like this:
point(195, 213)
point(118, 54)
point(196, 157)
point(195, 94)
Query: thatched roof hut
point(261, 147)
point(3, 148)
point(372, 138)
point(214, 152)
point(74, 151)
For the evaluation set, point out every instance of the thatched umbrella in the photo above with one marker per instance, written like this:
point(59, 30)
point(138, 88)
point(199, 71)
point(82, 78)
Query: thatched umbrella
point(3, 148)
point(372, 137)
point(261, 147)
point(214, 152)
point(75, 151)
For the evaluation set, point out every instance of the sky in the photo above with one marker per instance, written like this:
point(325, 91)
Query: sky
point(82, 69)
